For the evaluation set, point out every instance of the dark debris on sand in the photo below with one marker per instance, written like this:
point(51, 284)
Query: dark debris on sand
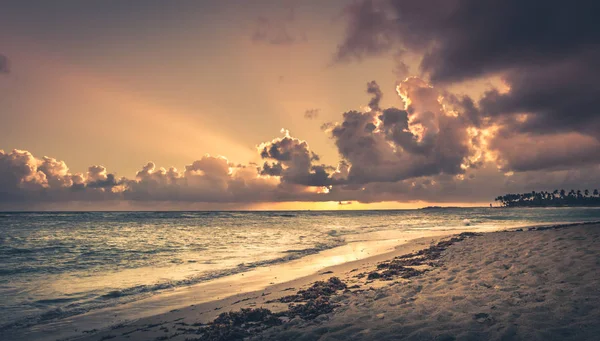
point(314, 301)
point(401, 266)
point(311, 309)
point(306, 304)
point(318, 289)
point(237, 325)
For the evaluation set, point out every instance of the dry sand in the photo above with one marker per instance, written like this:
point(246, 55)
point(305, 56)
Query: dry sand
point(542, 284)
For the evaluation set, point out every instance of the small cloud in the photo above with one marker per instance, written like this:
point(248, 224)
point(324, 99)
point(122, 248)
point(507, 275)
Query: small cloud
point(327, 126)
point(4, 67)
point(278, 30)
point(311, 113)
point(272, 32)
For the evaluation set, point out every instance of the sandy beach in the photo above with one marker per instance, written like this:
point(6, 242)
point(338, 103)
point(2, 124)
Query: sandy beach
point(538, 283)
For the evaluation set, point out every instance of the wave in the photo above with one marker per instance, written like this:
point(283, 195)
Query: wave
point(242, 267)
point(135, 293)
point(283, 215)
point(14, 250)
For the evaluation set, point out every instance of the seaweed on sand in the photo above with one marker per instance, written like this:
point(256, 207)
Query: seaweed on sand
point(401, 266)
point(310, 309)
point(318, 289)
point(237, 325)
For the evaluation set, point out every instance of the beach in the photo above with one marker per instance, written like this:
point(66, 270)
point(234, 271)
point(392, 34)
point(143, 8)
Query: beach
point(299, 170)
point(66, 273)
point(538, 283)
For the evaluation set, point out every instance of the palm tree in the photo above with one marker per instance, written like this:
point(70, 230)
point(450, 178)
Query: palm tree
point(563, 193)
point(586, 192)
point(501, 200)
point(595, 192)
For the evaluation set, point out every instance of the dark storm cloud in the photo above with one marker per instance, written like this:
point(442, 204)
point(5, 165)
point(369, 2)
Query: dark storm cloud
point(4, 67)
point(547, 53)
point(368, 32)
point(468, 38)
point(563, 97)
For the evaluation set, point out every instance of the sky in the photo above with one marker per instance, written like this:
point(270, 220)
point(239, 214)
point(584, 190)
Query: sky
point(341, 104)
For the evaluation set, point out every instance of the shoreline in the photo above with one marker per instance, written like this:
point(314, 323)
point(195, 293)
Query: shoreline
point(301, 271)
point(205, 310)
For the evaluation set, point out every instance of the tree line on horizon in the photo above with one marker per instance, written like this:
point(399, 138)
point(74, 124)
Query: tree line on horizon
point(556, 198)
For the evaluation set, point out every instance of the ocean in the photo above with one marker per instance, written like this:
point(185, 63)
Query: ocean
point(55, 265)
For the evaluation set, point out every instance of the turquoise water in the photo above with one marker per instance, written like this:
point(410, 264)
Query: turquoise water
point(54, 265)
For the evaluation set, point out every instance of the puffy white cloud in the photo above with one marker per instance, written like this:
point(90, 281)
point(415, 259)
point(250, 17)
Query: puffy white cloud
point(19, 171)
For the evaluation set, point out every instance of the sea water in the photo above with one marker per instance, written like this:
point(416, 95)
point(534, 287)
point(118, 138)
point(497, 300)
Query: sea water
point(55, 265)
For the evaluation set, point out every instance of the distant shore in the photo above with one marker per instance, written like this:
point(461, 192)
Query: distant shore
point(527, 283)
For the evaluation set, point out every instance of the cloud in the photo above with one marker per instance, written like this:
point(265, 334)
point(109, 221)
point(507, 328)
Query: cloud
point(552, 151)
point(271, 169)
point(311, 113)
point(97, 177)
point(327, 126)
point(388, 145)
point(467, 38)
point(368, 32)
point(401, 69)
point(558, 97)
point(295, 159)
point(278, 30)
point(435, 147)
point(209, 179)
point(373, 89)
point(4, 67)
point(214, 180)
point(547, 56)
point(26, 178)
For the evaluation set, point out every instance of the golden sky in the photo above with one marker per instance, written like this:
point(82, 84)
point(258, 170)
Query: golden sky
point(119, 85)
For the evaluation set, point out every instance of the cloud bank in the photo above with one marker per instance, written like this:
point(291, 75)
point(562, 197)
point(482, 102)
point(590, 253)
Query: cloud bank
point(427, 150)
